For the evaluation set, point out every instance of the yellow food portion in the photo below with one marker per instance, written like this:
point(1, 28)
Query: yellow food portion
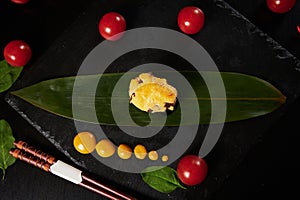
point(164, 158)
point(105, 148)
point(152, 94)
point(140, 151)
point(84, 142)
point(124, 151)
point(153, 155)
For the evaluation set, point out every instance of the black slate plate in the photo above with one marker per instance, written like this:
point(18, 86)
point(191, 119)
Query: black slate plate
point(232, 41)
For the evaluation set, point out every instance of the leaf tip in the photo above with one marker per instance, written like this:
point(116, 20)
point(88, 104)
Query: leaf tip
point(283, 99)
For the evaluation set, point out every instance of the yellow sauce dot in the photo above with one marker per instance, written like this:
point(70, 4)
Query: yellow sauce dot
point(105, 148)
point(140, 151)
point(164, 158)
point(84, 142)
point(153, 155)
point(124, 151)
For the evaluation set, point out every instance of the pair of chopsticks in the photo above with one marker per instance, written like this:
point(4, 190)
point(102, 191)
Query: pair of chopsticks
point(50, 164)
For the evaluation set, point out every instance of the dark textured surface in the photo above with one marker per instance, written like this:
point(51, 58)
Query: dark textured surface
point(234, 47)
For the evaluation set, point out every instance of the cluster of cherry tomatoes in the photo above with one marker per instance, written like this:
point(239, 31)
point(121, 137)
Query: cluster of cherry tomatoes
point(17, 53)
point(190, 19)
point(112, 25)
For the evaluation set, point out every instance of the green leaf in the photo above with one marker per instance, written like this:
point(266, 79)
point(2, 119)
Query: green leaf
point(6, 144)
point(8, 75)
point(246, 97)
point(162, 179)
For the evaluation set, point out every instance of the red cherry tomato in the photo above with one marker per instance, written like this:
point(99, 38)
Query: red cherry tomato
point(192, 170)
point(17, 53)
point(298, 28)
point(20, 1)
point(190, 20)
point(280, 6)
point(111, 24)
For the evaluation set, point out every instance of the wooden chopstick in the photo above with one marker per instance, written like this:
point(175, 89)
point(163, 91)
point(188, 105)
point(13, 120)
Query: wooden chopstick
point(22, 155)
point(35, 152)
point(44, 161)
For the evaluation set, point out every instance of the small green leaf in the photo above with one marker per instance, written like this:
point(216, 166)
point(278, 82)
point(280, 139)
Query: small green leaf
point(162, 179)
point(8, 75)
point(6, 144)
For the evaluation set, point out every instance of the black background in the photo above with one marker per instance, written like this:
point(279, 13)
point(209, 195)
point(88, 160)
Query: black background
point(269, 170)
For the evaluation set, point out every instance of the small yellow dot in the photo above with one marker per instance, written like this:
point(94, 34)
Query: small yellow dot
point(164, 158)
point(153, 155)
point(124, 151)
point(84, 142)
point(140, 151)
point(105, 148)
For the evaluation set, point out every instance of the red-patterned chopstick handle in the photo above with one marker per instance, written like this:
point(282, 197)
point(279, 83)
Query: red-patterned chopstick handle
point(22, 155)
point(35, 152)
